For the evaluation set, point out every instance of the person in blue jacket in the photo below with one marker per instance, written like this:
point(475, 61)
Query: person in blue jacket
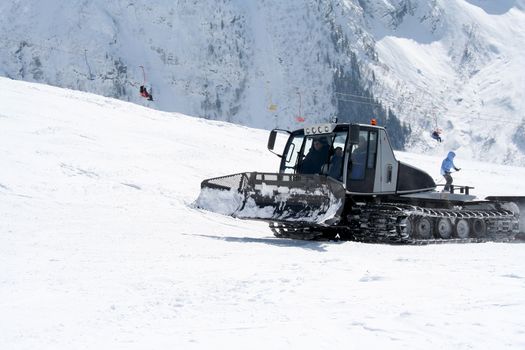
point(446, 167)
point(336, 163)
point(359, 160)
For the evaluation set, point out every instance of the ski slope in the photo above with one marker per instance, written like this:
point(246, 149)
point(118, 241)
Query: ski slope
point(101, 248)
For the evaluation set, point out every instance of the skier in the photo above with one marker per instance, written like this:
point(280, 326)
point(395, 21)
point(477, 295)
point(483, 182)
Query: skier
point(436, 135)
point(446, 166)
point(144, 93)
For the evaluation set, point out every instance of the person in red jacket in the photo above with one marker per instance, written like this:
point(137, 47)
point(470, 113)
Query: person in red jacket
point(144, 93)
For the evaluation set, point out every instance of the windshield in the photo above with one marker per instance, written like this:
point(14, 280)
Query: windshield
point(315, 154)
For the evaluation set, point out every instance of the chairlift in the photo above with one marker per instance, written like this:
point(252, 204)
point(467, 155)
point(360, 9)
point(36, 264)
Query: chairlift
point(436, 134)
point(143, 90)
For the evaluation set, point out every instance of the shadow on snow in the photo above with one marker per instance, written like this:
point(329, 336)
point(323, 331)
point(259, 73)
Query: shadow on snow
point(278, 242)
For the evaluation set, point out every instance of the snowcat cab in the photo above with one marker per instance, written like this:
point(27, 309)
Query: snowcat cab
point(369, 166)
point(343, 180)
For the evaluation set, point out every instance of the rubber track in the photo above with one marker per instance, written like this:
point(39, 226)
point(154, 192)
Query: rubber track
point(393, 223)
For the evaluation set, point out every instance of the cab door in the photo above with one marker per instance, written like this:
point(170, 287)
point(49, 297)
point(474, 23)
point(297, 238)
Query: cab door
point(361, 166)
point(291, 154)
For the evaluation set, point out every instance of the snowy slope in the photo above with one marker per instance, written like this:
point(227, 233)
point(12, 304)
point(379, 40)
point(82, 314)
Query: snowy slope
point(452, 64)
point(101, 248)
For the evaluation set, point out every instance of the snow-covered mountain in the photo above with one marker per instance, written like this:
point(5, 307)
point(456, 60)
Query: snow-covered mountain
point(449, 64)
point(101, 248)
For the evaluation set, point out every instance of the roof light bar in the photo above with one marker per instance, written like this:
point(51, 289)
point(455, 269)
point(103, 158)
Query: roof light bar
point(319, 129)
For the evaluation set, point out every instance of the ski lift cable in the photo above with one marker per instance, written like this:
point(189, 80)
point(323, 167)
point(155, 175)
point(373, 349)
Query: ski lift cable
point(99, 58)
point(353, 95)
point(485, 117)
point(78, 53)
point(83, 54)
point(85, 51)
point(316, 91)
point(360, 102)
point(29, 44)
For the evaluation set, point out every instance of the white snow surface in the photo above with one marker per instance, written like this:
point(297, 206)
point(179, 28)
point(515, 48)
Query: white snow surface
point(100, 247)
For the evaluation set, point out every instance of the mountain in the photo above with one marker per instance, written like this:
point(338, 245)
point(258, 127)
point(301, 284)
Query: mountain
point(415, 65)
point(102, 248)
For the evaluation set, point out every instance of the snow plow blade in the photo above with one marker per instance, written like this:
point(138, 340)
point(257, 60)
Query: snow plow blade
point(273, 197)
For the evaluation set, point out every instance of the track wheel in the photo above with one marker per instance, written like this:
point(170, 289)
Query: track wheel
point(403, 227)
point(479, 228)
point(424, 228)
point(445, 228)
point(462, 228)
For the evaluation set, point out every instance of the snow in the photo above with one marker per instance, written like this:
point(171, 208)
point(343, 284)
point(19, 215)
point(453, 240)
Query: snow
point(215, 200)
point(101, 248)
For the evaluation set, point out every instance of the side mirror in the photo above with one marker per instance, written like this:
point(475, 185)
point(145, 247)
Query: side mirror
point(354, 134)
point(271, 139)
